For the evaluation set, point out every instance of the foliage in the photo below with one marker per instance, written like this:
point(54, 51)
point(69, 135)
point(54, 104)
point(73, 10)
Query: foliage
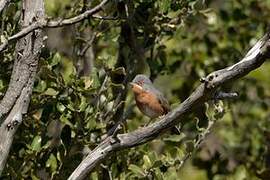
point(176, 43)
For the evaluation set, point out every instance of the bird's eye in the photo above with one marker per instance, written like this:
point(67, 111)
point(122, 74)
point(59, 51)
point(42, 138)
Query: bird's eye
point(140, 82)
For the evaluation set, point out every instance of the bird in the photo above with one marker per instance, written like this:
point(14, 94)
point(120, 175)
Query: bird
point(150, 101)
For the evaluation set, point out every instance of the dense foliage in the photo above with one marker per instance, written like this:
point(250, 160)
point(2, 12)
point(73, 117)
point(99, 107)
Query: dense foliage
point(78, 97)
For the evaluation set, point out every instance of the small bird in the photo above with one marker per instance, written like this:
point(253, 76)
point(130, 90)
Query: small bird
point(149, 100)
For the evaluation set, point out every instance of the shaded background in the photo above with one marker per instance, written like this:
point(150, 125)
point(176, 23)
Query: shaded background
point(81, 89)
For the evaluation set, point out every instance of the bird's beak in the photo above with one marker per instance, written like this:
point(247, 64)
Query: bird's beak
point(135, 86)
point(132, 84)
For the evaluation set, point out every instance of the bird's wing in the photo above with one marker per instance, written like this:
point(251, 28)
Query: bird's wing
point(163, 101)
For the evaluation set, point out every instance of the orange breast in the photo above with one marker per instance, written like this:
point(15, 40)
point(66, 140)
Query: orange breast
point(149, 104)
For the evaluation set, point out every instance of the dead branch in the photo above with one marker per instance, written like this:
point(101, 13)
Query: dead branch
point(254, 59)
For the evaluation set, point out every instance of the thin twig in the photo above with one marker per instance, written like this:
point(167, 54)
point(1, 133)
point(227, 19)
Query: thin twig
point(115, 129)
point(53, 24)
point(198, 142)
point(219, 95)
point(101, 90)
point(105, 17)
point(89, 43)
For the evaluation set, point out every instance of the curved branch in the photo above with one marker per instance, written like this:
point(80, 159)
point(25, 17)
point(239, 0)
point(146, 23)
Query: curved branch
point(42, 23)
point(254, 58)
point(76, 19)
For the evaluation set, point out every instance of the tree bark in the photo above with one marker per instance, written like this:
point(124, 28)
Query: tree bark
point(16, 100)
point(3, 4)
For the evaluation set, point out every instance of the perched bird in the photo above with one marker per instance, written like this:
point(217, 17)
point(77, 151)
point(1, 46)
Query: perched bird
point(149, 100)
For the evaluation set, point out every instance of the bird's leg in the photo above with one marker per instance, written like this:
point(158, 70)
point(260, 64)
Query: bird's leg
point(161, 116)
point(151, 119)
point(148, 122)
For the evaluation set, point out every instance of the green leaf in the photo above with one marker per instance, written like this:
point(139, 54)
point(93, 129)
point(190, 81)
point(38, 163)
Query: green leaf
point(91, 123)
point(175, 138)
point(64, 118)
point(180, 152)
point(157, 163)
point(71, 106)
point(87, 82)
point(165, 5)
point(147, 162)
point(36, 144)
point(52, 163)
point(34, 177)
point(55, 60)
point(83, 103)
point(241, 173)
point(60, 107)
point(119, 70)
point(120, 86)
point(51, 92)
point(41, 86)
point(94, 75)
point(94, 176)
point(136, 170)
point(158, 174)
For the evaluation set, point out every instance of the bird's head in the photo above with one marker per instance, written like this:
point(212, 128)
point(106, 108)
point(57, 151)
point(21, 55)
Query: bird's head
point(140, 83)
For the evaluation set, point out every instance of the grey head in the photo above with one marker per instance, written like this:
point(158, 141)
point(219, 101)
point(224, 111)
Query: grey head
point(142, 80)
point(147, 85)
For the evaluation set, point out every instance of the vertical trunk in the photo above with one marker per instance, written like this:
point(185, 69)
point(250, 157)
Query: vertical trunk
point(18, 95)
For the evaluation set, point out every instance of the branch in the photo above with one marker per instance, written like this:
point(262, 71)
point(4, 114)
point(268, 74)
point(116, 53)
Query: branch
point(9, 127)
point(254, 59)
point(43, 23)
point(3, 4)
point(219, 95)
point(76, 19)
point(105, 18)
point(17, 97)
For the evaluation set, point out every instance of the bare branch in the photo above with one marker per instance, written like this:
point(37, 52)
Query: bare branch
point(223, 95)
point(9, 127)
point(203, 93)
point(17, 97)
point(89, 43)
point(42, 23)
point(76, 19)
point(105, 18)
point(3, 4)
